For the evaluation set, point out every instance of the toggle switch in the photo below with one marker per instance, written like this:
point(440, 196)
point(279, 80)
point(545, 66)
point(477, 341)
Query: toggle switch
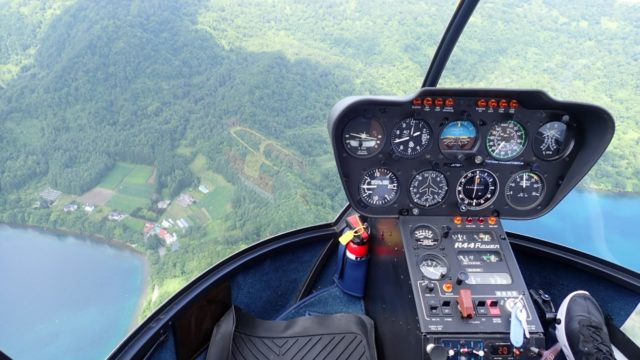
point(465, 303)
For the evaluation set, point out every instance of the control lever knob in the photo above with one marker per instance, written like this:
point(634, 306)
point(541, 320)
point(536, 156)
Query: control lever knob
point(430, 287)
point(437, 352)
point(462, 277)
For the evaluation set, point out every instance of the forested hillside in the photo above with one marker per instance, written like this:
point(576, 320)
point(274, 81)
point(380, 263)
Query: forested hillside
point(131, 103)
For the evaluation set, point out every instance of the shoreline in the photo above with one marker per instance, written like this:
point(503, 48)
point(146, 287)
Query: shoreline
point(146, 271)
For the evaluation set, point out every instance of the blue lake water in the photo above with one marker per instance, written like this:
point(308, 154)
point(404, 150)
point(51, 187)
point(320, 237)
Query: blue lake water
point(598, 224)
point(64, 297)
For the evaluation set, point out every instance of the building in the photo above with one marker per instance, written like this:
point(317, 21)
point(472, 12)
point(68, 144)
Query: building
point(70, 207)
point(185, 200)
point(164, 204)
point(89, 208)
point(116, 216)
point(203, 189)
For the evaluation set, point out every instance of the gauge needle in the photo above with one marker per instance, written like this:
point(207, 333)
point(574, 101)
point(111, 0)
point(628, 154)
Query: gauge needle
point(363, 136)
point(401, 139)
point(475, 186)
point(416, 134)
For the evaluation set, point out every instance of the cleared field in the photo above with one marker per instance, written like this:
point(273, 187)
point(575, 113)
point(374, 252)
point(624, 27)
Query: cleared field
point(127, 203)
point(116, 175)
point(140, 174)
point(218, 201)
point(136, 190)
point(96, 196)
point(133, 224)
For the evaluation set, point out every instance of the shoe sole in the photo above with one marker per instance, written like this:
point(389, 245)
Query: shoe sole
point(560, 333)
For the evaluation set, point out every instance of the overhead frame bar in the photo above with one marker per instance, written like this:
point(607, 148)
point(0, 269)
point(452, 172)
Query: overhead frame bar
point(458, 21)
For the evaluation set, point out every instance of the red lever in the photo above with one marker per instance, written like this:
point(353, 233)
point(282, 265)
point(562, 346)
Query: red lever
point(465, 303)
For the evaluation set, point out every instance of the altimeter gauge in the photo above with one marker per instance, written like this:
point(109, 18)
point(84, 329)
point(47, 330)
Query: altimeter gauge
point(428, 188)
point(552, 141)
point(363, 137)
point(477, 189)
point(506, 140)
point(524, 190)
point(379, 187)
point(411, 137)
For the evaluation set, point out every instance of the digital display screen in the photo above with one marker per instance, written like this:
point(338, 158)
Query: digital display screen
point(501, 350)
point(489, 279)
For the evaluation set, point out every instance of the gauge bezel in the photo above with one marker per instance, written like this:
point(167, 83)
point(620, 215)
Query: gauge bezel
point(427, 146)
point(452, 153)
point(567, 149)
point(523, 146)
point(540, 198)
point(423, 257)
point(382, 139)
point(460, 192)
point(388, 202)
point(444, 196)
point(425, 226)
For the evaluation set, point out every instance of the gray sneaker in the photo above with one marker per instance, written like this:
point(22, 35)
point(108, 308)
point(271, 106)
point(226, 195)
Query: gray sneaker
point(581, 329)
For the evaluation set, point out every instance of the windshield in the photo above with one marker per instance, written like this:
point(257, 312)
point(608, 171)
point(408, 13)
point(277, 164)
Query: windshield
point(144, 141)
point(573, 52)
point(176, 133)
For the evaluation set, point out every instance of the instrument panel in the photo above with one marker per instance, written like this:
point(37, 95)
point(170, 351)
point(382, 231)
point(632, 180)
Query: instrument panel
point(507, 153)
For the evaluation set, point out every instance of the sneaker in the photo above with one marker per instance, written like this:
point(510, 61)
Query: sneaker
point(581, 329)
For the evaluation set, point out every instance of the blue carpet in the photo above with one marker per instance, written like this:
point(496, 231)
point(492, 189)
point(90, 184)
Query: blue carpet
point(275, 280)
point(325, 302)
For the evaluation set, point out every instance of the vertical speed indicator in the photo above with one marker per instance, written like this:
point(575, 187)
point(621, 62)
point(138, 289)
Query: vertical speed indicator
point(379, 187)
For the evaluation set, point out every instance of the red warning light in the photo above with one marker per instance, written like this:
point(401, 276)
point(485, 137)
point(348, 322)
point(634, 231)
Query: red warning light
point(514, 104)
point(457, 220)
point(469, 220)
point(439, 102)
point(503, 104)
point(417, 102)
point(493, 103)
point(428, 101)
point(480, 221)
point(482, 103)
point(449, 102)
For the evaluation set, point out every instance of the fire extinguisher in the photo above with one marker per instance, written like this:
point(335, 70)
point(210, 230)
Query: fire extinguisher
point(353, 257)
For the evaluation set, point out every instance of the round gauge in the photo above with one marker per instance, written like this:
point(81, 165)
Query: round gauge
point(428, 188)
point(552, 141)
point(363, 137)
point(524, 190)
point(459, 135)
point(379, 187)
point(426, 236)
point(477, 189)
point(411, 137)
point(433, 266)
point(506, 140)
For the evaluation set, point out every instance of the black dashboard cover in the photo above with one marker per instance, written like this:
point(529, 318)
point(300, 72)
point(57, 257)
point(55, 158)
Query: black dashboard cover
point(591, 129)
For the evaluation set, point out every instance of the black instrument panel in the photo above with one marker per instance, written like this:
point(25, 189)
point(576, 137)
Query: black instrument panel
point(508, 153)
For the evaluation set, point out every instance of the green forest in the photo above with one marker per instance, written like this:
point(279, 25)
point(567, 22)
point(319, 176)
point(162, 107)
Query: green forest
point(225, 103)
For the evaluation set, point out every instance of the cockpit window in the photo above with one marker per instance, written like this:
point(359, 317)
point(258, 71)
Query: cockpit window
point(583, 53)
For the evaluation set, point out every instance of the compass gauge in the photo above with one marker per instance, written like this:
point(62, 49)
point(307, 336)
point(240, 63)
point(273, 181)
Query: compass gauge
point(428, 188)
point(379, 187)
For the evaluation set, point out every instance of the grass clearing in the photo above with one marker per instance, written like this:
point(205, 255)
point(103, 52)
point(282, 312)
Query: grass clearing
point(116, 175)
point(133, 223)
point(127, 203)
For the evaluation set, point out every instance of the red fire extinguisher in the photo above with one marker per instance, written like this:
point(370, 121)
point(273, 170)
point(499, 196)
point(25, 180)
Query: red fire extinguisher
point(353, 257)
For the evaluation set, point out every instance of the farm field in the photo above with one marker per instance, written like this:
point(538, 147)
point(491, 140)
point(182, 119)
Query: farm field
point(132, 190)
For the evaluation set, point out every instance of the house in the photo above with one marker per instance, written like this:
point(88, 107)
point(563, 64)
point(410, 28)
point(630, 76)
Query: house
point(169, 238)
point(203, 189)
point(70, 207)
point(164, 204)
point(148, 227)
point(89, 208)
point(182, 223)
point(166, 224)
point(116, 216)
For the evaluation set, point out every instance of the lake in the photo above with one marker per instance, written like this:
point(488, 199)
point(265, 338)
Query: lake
point(64, 297)
point(67, 297)
point(600, 224)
